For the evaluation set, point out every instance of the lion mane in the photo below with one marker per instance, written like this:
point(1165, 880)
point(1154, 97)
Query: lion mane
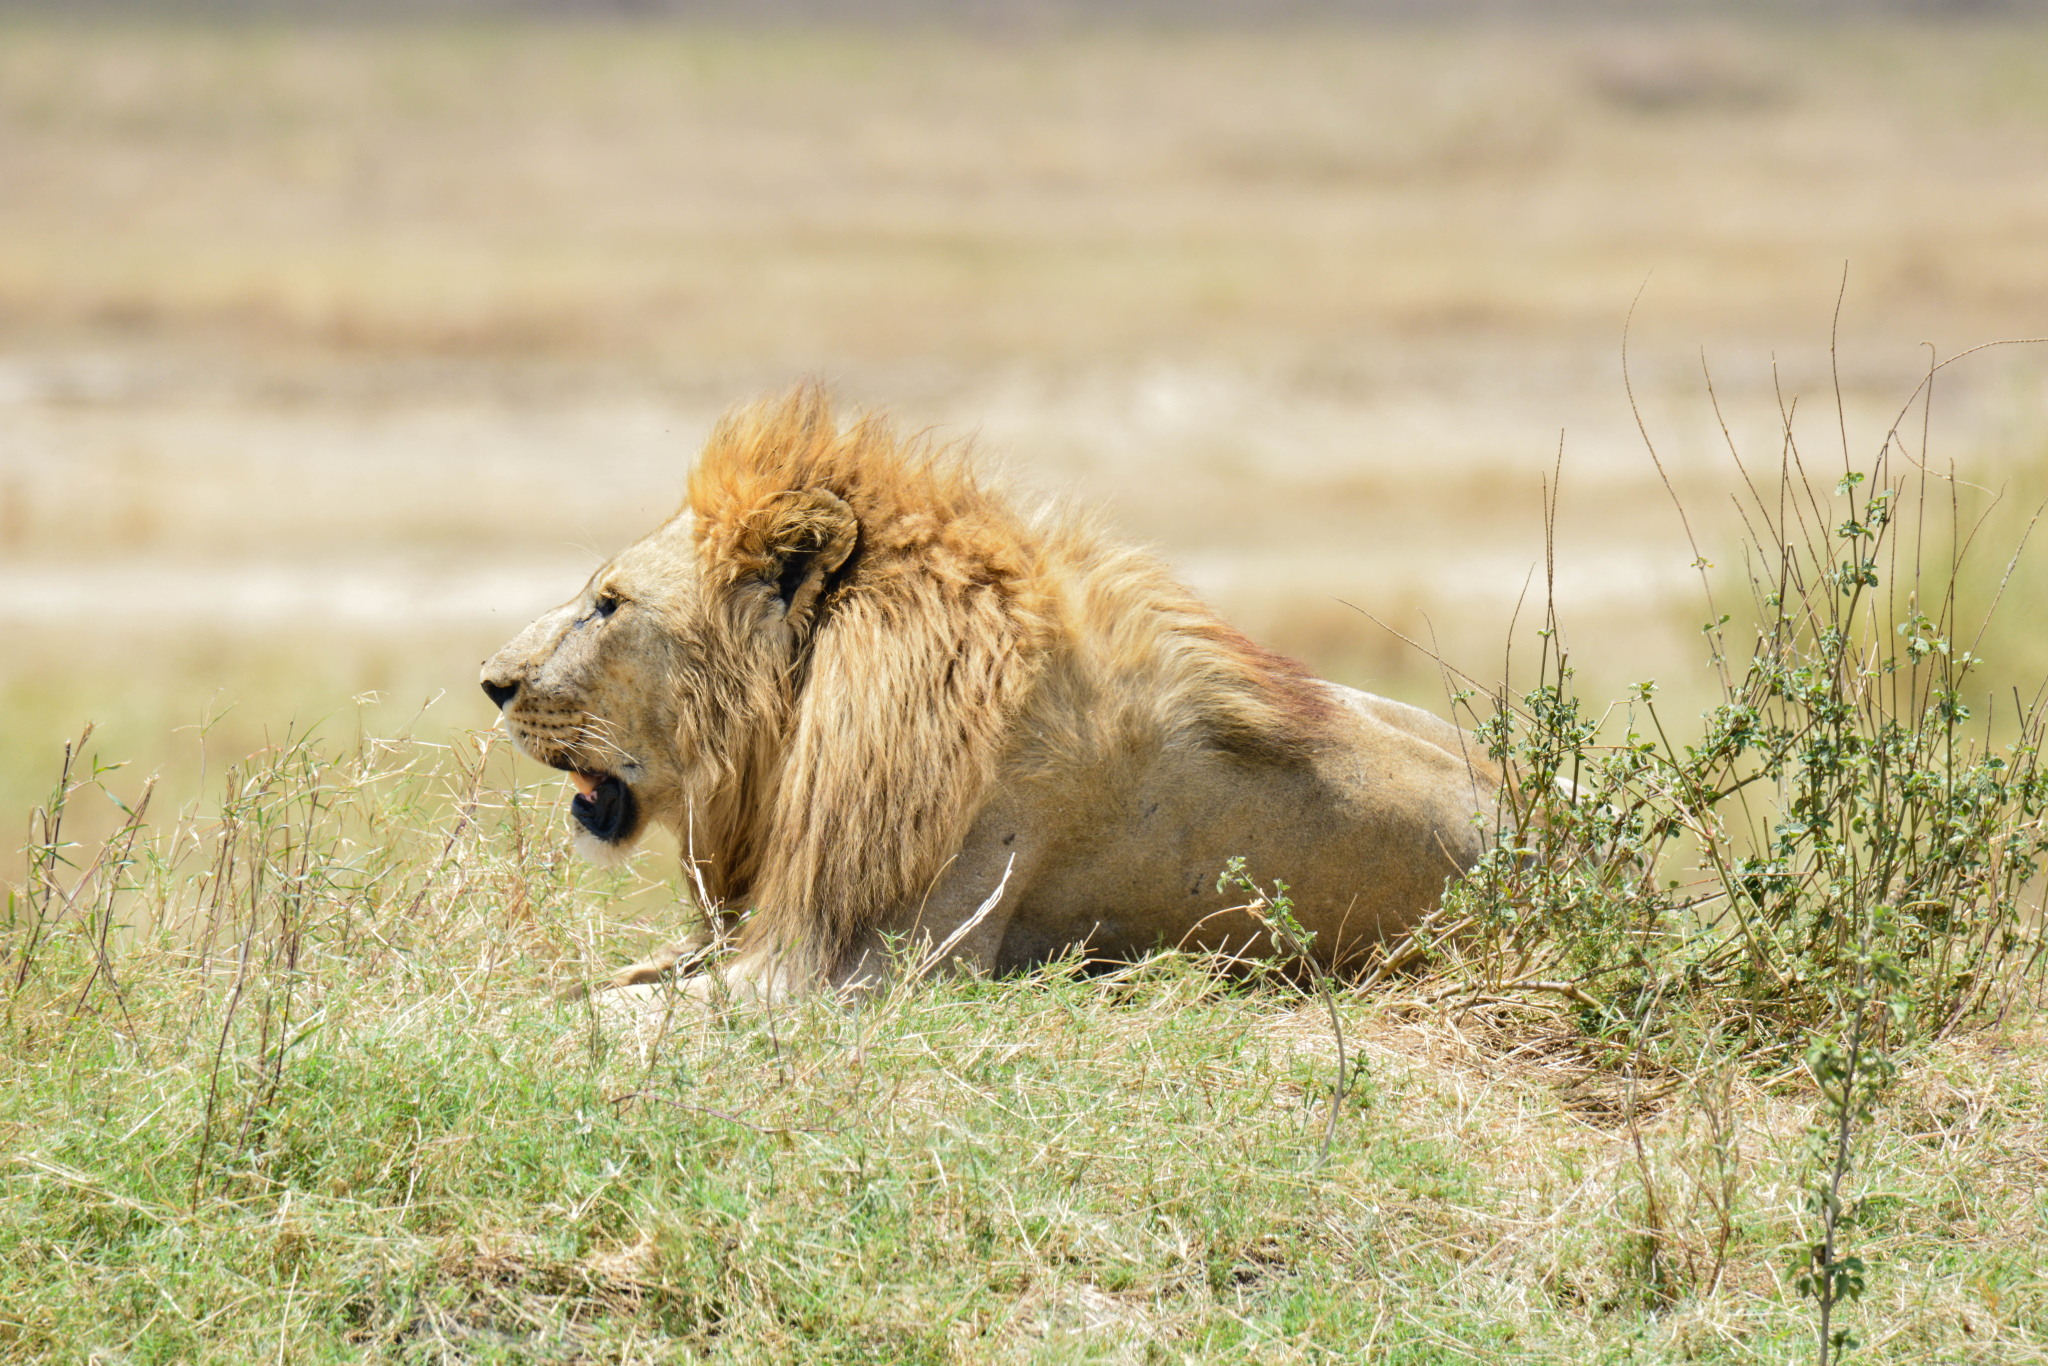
point(865, 691)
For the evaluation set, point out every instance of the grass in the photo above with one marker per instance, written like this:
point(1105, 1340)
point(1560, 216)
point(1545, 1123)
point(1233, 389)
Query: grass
point(289, 1072)
point(288, 1080)
point(282, 1071)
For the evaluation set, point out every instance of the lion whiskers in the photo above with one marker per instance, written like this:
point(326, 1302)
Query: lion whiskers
point(594, 735)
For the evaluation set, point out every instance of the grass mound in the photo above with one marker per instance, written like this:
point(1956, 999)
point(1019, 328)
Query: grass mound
point(290, 1079)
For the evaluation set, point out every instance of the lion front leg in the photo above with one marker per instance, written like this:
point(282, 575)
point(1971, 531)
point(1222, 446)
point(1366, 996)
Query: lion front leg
point(677, 959)
point(663, 963)
point(750, 978)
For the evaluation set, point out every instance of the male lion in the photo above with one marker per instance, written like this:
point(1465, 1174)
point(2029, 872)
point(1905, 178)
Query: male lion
point(865, 693)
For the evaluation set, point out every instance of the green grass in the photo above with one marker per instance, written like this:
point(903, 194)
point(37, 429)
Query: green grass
point(287, 1072)
point(285, 1078)
point(318, 1102)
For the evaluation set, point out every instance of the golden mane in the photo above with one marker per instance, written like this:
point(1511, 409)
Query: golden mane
point(931, 640)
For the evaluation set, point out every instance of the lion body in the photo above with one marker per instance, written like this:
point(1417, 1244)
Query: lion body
point(866, 693)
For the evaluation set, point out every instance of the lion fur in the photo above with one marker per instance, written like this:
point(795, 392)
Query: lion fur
point(883, 675)
point(893, 725)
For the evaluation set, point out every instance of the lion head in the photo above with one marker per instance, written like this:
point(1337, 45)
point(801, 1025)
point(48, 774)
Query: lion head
point(716, 676)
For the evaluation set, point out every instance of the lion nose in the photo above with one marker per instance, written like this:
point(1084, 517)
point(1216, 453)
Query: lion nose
point(499, 693)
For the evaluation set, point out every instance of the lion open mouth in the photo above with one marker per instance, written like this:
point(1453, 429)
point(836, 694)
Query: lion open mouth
point(603, 805)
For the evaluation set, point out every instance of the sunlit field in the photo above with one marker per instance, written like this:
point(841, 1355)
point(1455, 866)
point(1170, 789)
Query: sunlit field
point(331, 354)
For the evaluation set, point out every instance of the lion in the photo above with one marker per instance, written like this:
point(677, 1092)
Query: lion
point(879, 705)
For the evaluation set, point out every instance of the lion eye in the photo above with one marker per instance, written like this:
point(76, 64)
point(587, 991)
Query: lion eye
point(607, 603)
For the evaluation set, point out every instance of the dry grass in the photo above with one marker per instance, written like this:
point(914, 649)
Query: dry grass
point(314, 1098)
point(834, 199)
point(300, 331)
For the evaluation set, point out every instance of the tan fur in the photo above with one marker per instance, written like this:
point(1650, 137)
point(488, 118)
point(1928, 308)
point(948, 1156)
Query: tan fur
point(863, 689)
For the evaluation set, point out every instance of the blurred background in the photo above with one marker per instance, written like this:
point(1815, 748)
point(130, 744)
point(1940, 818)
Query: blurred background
point(337, 342)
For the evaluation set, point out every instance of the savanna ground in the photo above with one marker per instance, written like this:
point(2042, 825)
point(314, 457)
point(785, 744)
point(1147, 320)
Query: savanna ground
point(329, 355)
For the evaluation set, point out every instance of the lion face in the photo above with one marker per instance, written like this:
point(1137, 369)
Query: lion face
point(661, 683)
point(574, 689)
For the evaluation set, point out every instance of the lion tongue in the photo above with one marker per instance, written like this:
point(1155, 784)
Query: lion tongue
point(584, 783)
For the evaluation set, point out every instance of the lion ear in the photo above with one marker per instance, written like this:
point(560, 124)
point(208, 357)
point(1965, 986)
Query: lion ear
point(805, 537)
